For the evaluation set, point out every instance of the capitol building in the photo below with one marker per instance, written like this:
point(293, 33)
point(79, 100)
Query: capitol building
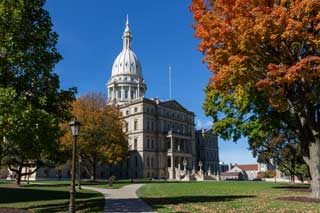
point(162, 139)
point(161, 134)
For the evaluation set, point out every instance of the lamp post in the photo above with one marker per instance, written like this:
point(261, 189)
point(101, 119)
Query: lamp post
point(79, 171)
point(200, 166)
point(75, 129)
point(185, 166)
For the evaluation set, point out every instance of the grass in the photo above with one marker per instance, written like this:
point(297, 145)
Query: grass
point(226, 196)
point(48, 198)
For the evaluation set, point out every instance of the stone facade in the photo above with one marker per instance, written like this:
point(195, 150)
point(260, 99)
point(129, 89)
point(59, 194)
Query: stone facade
point(160, 134)
point(207, 150)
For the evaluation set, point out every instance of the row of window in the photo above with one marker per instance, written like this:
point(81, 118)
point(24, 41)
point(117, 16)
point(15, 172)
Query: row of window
point(151, 143)
point(209, 155)
point(150, 162)
point(135, 110)
point(150, 125)
point(135, 126)
point(171, 114)
point(176, 128)
point(126, 64)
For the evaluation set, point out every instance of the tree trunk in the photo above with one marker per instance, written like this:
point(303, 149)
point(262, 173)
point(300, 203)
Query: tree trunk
point(93, 169)
point(18, 176)
point(314, 165)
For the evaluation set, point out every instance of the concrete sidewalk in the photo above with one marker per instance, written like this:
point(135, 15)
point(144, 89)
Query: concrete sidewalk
point(123, 200)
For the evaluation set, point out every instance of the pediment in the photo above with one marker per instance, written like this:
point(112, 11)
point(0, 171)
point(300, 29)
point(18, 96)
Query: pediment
point(174, 105)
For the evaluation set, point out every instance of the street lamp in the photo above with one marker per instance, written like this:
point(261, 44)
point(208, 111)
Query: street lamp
point(185, 165)
point(200, 165)
point(75, 129)
point(79, 171)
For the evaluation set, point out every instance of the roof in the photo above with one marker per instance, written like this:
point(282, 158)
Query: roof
point(229, 174)
point(247, 167)
point(173, 104)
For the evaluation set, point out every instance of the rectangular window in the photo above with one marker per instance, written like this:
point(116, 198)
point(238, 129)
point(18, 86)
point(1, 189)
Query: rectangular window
point(135, 144)
point(135, 127)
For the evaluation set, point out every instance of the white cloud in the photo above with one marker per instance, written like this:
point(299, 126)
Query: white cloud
point(203, 124)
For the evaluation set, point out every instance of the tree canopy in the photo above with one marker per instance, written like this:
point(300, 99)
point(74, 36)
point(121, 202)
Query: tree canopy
point(264, 56)
point(102, 137)
point(32, 103)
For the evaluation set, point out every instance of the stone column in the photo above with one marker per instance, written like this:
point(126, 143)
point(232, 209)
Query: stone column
point(173, 168)
point(138, 91)
point(129, 91)
point(114, 93)
point(122, 93)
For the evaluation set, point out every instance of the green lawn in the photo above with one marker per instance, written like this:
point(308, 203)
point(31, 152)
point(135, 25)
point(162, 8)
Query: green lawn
point(47, 197)
point(226, 196)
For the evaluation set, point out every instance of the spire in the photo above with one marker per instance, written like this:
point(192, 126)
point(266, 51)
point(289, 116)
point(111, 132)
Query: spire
point(127, 36)
point(127, 25)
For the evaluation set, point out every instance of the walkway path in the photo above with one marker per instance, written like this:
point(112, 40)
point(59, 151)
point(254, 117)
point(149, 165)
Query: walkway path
point(124, 199)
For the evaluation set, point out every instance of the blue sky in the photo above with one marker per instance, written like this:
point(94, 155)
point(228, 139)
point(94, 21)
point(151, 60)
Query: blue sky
point(90, 39)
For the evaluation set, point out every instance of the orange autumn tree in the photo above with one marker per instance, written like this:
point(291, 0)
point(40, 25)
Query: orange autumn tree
point(264, 56)
point(101, 133)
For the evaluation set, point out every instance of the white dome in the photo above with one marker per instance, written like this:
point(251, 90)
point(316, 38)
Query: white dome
point(126, 82)
point(127, 63)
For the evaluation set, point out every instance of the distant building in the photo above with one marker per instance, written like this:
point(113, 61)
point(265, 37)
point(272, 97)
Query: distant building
point(248, 171)
point(207, 150)
point(231, 176)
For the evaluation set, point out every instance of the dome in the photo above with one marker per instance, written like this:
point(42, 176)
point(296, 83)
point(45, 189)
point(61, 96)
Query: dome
point(127, 63)
point(126, 83)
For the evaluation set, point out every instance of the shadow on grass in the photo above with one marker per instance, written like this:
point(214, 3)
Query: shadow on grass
point(193, 199)
point(95, 205)
point(25, 194)
point(293, 186)
point(97, 182)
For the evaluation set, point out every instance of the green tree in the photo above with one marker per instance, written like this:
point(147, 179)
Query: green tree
point(28, 55)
